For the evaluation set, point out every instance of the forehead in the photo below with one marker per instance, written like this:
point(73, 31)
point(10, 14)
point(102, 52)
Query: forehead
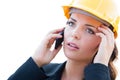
point(75, 10)
point(83, 19)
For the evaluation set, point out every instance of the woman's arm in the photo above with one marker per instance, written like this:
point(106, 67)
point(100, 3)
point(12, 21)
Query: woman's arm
point(106, 46)
point(28, 71)
point(99, 69)
point(31, 69)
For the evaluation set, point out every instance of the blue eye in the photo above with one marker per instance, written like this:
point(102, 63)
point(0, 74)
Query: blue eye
point(70, 23)
point(90, 31)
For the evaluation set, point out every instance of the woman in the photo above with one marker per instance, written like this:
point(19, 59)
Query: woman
point(89, 45)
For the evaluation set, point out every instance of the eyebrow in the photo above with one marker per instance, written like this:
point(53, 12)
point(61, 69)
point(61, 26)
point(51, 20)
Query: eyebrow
point(73, 19)
point(90, 25)
point(85, 24)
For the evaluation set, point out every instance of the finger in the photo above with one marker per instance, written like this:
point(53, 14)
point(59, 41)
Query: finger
point(52, 38)
point(105, 42)
point(103, 30)
point(103, 39)
point(56, 31)
point(109, 34)
point(107, 28)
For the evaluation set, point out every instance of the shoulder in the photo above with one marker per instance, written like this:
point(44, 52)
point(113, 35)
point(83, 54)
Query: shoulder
point(97, 71)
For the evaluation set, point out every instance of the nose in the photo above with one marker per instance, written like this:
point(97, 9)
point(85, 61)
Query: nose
point(77, 32)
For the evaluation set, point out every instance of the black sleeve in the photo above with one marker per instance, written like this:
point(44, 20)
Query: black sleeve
point(28, 71)
point(97, 71)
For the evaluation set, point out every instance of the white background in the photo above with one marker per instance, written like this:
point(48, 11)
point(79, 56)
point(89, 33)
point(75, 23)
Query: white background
point(23, 24)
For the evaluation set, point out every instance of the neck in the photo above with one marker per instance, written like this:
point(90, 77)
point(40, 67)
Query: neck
point(74, 70)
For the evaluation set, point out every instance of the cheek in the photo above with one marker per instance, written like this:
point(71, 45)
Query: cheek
point(92, 44)
point(67, 33)
point(90, 48)
point(96, 41)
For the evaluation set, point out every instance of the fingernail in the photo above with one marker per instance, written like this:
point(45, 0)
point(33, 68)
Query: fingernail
point(99, 27)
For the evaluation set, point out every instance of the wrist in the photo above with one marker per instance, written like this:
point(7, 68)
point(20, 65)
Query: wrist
point(104, 62)
point(37, 61)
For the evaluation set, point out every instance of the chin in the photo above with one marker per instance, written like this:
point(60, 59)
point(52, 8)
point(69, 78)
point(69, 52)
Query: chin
point(77, 56)
point(72, 55)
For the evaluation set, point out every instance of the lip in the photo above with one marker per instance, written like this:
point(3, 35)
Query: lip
point(72, 46)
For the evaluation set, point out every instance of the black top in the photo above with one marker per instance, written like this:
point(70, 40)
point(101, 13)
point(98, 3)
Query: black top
point(30, 71)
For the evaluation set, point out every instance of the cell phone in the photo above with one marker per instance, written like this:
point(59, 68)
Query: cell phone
point(59, 40)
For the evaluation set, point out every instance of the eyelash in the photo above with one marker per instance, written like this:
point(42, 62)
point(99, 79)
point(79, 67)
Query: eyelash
point(70, 23)
point(89, 30)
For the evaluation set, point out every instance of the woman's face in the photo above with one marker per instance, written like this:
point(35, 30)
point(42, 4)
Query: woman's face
point(80, 40)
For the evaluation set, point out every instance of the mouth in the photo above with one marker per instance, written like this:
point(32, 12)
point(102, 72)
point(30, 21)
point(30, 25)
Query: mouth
point(72, 46)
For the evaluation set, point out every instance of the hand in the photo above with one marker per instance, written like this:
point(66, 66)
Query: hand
point(106, 46)
point(44, 54)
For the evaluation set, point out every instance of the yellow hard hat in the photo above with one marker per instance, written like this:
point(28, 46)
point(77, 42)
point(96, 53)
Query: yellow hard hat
point(103, 9)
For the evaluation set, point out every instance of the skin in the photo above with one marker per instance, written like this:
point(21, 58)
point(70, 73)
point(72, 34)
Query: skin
point(83, 38)
point(81, 43)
